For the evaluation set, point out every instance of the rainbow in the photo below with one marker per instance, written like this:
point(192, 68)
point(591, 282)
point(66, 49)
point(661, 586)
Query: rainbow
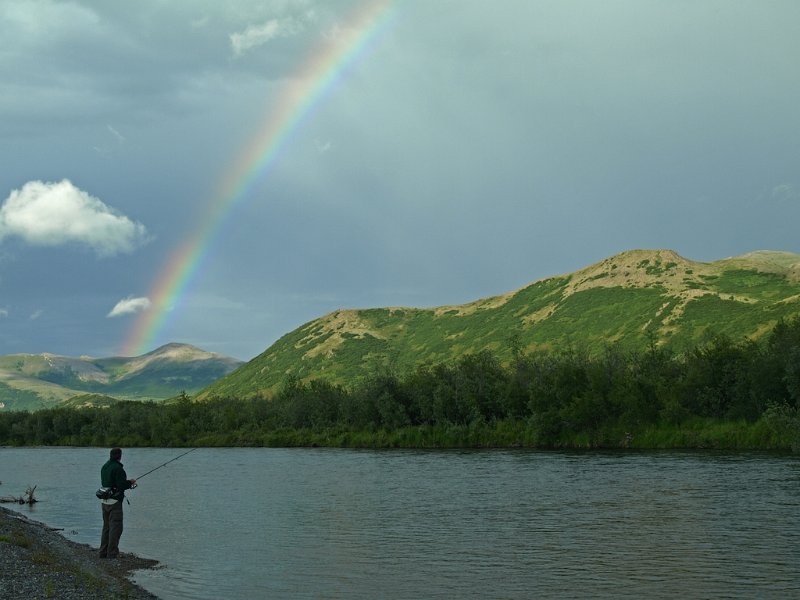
point(312, 83)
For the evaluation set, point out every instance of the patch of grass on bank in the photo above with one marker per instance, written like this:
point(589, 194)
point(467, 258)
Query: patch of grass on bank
point(17, 539)
point(710, 433)
point(698, 433)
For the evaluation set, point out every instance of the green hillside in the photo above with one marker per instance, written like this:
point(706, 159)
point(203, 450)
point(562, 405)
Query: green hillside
point(629, 299)
point(35, 381)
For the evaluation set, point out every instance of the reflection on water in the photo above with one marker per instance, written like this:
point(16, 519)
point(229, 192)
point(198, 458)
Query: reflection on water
point(265, 523)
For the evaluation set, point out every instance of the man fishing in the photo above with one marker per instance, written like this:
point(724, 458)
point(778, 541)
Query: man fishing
point(113, 477)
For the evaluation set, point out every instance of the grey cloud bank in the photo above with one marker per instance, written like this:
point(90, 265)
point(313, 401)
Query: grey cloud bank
point(474, 148)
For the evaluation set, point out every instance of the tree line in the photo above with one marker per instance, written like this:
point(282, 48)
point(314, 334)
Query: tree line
point(544, 399)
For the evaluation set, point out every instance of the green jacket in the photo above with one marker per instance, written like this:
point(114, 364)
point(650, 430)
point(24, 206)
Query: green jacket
point(113, 475)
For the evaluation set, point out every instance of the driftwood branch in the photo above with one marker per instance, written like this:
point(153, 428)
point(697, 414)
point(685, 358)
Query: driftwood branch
point(27, 498)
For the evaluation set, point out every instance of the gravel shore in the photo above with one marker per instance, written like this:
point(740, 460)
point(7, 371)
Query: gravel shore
point(38, 562)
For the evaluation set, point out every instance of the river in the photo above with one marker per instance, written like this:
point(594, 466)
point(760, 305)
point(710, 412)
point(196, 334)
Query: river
point(325, 523)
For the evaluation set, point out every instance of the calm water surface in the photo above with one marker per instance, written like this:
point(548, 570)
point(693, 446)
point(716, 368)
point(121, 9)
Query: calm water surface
point(267, 523)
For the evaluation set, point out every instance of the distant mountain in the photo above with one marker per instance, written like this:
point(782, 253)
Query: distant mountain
point(32, 381)
point(630, 299)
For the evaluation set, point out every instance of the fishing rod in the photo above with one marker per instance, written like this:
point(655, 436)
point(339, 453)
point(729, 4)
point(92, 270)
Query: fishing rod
point(165, 464)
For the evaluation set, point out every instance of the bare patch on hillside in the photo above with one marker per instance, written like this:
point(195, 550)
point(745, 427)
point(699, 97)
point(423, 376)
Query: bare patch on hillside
point(765, 260)
point(790, 299)
point(338, 326)
point(542, 314)
point(684, 297)
point(640, 268)
point(460, 310)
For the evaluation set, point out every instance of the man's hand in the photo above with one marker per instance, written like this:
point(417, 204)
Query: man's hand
point(132, 482)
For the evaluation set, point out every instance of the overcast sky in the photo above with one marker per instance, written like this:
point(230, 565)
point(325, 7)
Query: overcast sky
point(474, 147)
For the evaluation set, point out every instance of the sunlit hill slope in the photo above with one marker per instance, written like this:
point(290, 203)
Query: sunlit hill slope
point(629, 299)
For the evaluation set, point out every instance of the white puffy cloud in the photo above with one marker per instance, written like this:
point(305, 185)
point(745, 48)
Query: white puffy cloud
point(36, 314)
point(3, 312)
point(257, 35)
point(129, 306)
point(52, 214)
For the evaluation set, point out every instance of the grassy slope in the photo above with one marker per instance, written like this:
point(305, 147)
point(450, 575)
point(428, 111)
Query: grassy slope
point(626, 299)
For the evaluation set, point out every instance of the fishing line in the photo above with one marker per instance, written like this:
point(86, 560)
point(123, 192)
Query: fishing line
point(165, 464)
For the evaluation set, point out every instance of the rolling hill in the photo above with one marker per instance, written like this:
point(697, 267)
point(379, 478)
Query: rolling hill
point(33, 381)
point(629, 299)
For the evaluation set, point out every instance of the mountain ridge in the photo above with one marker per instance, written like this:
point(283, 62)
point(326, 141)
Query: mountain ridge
point(629, 298)
point(32, 381)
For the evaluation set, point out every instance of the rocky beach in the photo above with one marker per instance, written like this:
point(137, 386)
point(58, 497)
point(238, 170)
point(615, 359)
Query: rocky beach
point(36, 561)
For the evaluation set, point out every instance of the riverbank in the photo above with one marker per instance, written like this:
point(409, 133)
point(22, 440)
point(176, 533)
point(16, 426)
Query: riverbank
point(38, 562)
point(693, 434)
